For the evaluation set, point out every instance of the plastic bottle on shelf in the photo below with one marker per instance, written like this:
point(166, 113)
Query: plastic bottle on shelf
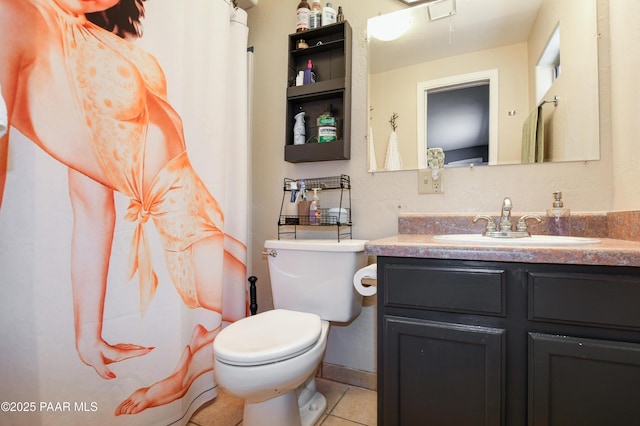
point(328, 15)
point(309, 74)
point(327, 129)
point(315, 213)
point(315, 18)
point(299, 133)
point(303, 12)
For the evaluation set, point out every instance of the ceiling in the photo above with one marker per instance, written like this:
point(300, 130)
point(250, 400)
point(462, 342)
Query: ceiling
point(477, 25)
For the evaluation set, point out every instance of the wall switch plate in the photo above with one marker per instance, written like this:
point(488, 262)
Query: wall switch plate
point(427, 184)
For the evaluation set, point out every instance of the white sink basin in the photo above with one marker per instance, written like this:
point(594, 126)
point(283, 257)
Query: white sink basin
point(534, 240)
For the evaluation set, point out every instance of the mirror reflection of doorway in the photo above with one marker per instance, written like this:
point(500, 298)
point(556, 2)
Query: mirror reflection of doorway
point(459, 113)
point(458, 122)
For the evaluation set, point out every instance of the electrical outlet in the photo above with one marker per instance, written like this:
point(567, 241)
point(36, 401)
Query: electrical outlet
point(427, 184)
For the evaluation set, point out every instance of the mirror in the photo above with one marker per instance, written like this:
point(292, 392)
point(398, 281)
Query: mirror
point(541, 57)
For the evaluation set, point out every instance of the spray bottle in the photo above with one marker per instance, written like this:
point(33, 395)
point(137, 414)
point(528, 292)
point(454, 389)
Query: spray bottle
point(299, 133)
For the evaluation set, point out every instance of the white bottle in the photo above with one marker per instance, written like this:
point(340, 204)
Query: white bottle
point(315, 18)
point(314, 210)
point(299, 133)
point(328, 15)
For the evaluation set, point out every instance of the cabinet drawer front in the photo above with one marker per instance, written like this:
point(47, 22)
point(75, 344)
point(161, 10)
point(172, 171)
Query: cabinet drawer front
point(464, 290)
point(589, 299)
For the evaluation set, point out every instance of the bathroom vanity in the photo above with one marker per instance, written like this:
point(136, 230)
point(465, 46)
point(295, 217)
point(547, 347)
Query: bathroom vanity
point(500, 335)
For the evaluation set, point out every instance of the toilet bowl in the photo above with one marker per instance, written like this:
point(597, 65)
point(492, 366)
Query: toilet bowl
point(270, 383)
point(270, 359)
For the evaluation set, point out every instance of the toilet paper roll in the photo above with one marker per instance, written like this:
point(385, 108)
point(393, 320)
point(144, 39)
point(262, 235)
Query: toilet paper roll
point(369, 273)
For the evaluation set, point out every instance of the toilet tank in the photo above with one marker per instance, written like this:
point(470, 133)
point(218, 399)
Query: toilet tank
point(316, 276)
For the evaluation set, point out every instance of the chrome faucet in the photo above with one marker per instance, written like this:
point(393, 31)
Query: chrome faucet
point(505, 216)
point(505, 226)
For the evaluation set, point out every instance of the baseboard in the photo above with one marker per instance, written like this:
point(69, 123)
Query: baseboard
point(349, 376)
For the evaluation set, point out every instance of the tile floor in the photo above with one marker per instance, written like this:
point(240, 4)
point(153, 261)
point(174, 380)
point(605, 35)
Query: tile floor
point(346, 406)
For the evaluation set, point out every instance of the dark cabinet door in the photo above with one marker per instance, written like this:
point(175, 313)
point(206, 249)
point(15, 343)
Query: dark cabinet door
point(574, 381)
point(439, 373)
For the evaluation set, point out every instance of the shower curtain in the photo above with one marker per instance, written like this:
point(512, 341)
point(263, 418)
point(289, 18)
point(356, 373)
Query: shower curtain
point(201, 45)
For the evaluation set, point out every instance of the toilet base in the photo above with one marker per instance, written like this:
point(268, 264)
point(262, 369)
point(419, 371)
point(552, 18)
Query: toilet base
point(283, 410)
point(313, 409)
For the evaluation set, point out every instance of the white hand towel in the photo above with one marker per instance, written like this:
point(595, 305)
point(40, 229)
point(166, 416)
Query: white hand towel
point(393, 161)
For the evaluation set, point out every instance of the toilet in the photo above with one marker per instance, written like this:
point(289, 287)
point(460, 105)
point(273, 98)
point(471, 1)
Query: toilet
point(270, 359)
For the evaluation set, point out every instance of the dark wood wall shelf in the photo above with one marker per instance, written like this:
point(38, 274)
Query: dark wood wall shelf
point(330, 52)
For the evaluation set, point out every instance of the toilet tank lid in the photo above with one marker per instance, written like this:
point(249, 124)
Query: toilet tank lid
point(346, 245)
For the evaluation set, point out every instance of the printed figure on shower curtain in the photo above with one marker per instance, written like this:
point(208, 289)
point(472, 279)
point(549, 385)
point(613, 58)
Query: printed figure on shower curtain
point(76, 86)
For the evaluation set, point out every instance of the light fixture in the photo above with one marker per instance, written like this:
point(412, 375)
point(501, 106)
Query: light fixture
point(416, 2)
point(437, 9)
point(390, 26)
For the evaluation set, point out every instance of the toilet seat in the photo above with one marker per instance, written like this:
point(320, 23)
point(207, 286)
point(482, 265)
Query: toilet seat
point(268, 337)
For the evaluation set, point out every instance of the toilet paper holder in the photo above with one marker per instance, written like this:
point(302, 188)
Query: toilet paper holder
point(368, 281)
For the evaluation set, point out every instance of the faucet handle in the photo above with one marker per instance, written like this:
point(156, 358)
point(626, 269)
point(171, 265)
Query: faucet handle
point(491, 226)
point(522, 223)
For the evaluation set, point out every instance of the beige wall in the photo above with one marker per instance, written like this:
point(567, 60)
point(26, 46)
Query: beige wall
point(625, 105)
point(611, 183)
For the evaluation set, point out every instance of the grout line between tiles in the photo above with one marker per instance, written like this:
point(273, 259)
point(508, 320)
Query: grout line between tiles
point(338, 401)
point(329, 413)
point(345, 419)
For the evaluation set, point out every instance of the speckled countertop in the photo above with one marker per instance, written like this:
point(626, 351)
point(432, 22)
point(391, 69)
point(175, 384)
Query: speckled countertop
point(415, 239)
point(608, 252)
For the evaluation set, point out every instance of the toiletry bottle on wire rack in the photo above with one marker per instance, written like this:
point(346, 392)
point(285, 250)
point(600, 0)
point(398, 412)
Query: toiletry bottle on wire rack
point(315, 214)
point(291, 210)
